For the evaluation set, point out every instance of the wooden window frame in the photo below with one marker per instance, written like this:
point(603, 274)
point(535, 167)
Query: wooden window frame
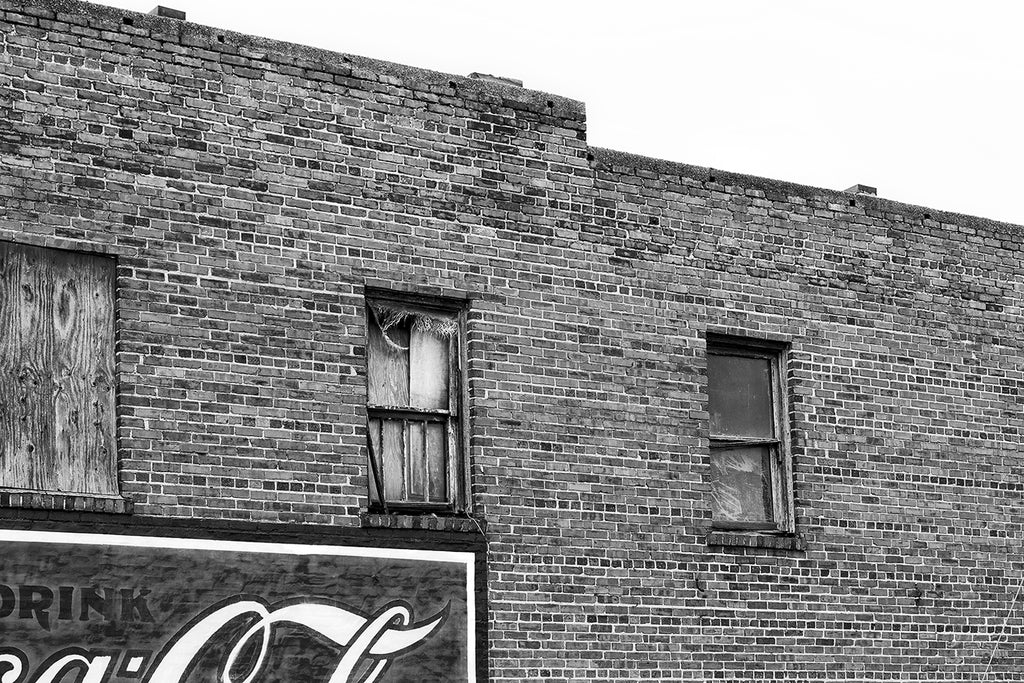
point(455, 418)
point(778, 462)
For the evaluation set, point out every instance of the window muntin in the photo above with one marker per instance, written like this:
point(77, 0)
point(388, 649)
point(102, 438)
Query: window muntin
point(749, 462)
point(414, 406)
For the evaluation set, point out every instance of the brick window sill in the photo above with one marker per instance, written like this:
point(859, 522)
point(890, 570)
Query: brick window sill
point(378, 520)
point(756, 540)
point(65, 502)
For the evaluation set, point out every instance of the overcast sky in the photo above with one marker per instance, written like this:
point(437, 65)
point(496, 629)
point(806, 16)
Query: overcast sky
point(920, 98)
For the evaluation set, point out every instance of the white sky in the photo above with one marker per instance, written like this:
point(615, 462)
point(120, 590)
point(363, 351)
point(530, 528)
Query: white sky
point(920, 98)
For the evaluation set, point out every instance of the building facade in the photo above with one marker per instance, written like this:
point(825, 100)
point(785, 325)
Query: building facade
point(322, 368)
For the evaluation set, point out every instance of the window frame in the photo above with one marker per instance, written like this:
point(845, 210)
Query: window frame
point(778, 461)
point(457, 419)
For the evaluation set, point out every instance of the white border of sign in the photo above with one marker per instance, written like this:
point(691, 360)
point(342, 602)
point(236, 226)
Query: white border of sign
point(179, 543)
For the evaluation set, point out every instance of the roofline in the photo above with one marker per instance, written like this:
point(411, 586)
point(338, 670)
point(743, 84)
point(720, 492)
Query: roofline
point(199, 36)
point(573, 112)
point(625, 162)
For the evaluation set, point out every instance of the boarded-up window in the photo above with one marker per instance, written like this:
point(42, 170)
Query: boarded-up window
point(413, 406)
point(56, 371)
point(749, 488)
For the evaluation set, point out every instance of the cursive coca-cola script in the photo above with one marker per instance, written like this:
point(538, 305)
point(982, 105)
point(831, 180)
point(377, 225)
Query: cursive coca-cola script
point(366, 645)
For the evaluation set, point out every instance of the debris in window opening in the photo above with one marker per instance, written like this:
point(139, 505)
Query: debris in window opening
point(388, 316)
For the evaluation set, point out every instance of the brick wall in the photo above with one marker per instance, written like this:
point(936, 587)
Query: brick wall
point(251, 190)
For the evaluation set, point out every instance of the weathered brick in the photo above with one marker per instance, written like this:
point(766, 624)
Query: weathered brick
point(251, 190)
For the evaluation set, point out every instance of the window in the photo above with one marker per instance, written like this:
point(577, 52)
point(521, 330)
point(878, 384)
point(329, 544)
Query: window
point(414, 406)
point(748, 436)
point(57, 371)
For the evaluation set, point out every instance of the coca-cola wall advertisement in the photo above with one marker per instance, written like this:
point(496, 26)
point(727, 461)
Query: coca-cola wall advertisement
point(91, 608)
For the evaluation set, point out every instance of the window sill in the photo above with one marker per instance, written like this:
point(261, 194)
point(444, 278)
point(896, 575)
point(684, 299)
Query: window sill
point(428, 522)
point(66, 502)
point(756, 540)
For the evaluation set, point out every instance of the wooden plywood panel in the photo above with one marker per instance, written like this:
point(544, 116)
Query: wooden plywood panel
point(437, 459)
point(84, 374)
point(35, 382)
point(102, 377)
point(428, 370)
point(14, 466)
point(59, 407)
point(393, 449)
point(387, 366)
point(417, 460)
point(68, 340)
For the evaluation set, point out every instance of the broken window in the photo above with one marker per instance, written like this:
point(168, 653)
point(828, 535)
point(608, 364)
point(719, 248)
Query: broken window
point(749, 460)
point(57, 371)
point(414, 406)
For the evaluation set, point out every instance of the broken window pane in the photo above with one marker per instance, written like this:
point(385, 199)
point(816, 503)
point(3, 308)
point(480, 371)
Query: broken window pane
point(740, 485)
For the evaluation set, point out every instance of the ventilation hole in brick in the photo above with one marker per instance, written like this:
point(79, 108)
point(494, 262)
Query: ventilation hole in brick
point(927, 216)
point(711, 178)
point(128, 21)
point(551, 104)
point(590, 157)
point(452, 84)
point(853, 202)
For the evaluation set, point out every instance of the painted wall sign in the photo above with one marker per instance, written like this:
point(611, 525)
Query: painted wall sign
point(85, 608)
